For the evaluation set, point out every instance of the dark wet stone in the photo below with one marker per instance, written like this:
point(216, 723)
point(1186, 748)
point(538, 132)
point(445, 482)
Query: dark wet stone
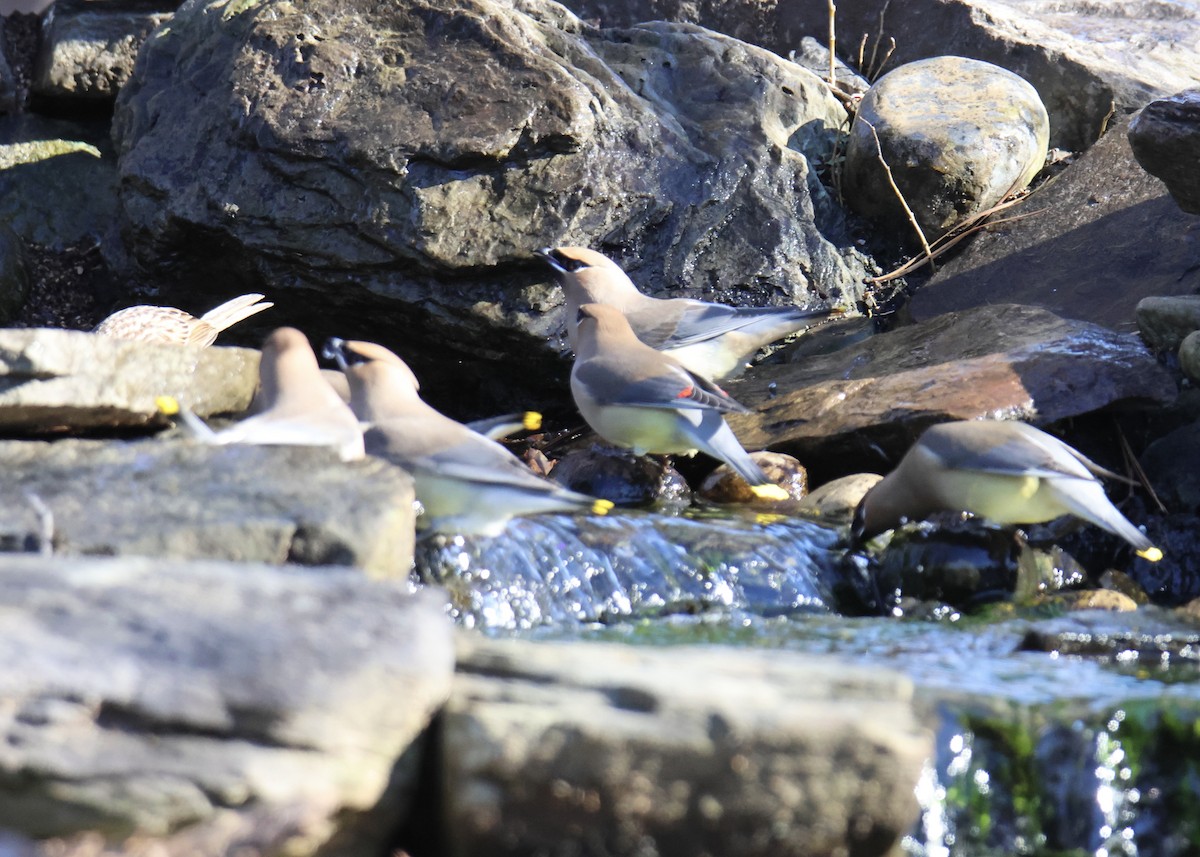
point(619, 476)
point(1165, 321)
point(1085, 249)
point(1165, 137)
point(1172, 464)
point(1151, 635)
point(867, 403)
point(14, 274)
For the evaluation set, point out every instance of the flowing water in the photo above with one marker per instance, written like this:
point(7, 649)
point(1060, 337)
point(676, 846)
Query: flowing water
point(1039, 751)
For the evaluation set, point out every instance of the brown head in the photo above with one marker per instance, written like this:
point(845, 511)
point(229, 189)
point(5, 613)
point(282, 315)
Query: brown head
point(288, 365)
point(589, 277)
point(380, 382)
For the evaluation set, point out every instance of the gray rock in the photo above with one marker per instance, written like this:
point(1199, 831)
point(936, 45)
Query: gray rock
point(1164, 322)
point(838, 498)
point(870, 401)
point(370, 140)
point(210, 709)
point(14, 274)
point(88, 49)
point(1084, 59)
point(190, 501)
point(1165, 137)
point(588, 749)
point(57, 179)
point(957, 135)
point(53, 381)
point(1189, 355)
point(1092, 242)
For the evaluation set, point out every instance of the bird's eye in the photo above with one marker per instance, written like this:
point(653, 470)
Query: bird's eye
point(567, 263)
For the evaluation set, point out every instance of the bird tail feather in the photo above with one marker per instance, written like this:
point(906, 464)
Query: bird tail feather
point(232, 311)
point(1087, 500)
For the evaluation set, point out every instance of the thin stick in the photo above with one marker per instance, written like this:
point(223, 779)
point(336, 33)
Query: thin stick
point(45, 523)
point(862, 47)
point(1132, 461)
point(895, 188)
point(878, 38)
point(832, 40)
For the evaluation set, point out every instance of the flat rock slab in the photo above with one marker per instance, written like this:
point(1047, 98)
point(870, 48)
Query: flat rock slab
point(56, 381)
point(589, 749)
point(185, 500)
point(1003, 361)
point(1105, 235)
point(207, 708)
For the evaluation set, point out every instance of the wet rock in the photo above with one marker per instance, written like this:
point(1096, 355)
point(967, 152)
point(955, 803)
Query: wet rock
point(1189, 355)
point(957, 136)
point(57, 179)
point(1149, 635)
point(1084, 254)
point(88, 49)
point(1165, 138)
point(1084, 60)
point(1172, 464)
point(566, 570)
point(184, 500)
point(52, 381)
point(594, 749)
point(867, 403)
point(8, 81)
point(839, 498)
point(1164, 322)
point(619, 476)
point(676, 150)
point(14, 274)
point(1175, 579)
point(725, 486)
point(208, 708)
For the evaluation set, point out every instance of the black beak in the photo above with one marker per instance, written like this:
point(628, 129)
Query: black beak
point(547, 256)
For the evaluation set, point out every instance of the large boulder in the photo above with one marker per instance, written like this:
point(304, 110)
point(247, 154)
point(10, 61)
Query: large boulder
point(396, 164)
point(187, 709)
point(1165, 137)
point(588, 749)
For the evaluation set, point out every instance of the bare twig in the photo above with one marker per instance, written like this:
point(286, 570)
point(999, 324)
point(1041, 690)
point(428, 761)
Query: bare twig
point(878, 42)
point(963, 230)
point(877, 70)
point(832, 42)
point(896, 189)
point(862, 48)
point(1135, 465)
point(1112, 108)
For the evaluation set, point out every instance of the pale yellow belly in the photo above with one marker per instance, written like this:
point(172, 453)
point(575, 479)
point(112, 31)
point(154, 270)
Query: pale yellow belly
point(1003, 499)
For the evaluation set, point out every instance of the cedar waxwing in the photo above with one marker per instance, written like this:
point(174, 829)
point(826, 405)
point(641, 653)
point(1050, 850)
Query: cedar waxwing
point(636, 397)
point(465, 482)
point(713, 340)
point(174, 326)
point(294, 405)
point(1008, 472)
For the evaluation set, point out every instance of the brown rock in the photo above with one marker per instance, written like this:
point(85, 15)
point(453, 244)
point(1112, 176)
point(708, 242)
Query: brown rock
point(725, 486)
point(1003, 360)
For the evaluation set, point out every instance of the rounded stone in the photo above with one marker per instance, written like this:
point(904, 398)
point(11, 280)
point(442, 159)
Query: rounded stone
point(958, 136)
point(1165, 321)
point(725, 486)
point(840, 497)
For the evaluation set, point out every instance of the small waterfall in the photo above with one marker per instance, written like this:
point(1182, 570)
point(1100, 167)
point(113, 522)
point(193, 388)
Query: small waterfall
point(559, 569)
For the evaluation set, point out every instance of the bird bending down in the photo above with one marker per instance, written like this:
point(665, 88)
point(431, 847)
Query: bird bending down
point(713, 340)
point(636, 397)
point(1008, 472)
point(294, 405)
point(163, 324)
point(465, 482)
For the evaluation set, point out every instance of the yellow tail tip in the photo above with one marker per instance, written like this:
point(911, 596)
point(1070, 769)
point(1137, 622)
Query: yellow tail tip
point(765, 518)
point(601, 507)
point(531, 420)
point(1152, 554)
point(770, 491)
point(167, 405)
